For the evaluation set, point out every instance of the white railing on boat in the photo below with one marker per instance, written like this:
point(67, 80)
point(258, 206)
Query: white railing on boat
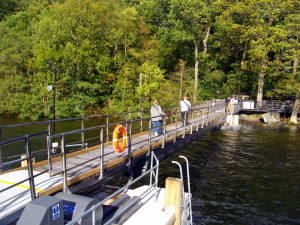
point(153, 171)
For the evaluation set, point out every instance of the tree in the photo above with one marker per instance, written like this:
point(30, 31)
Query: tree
point(151, 81)
point(292, 54)
point(254, 25)
point(192, 22)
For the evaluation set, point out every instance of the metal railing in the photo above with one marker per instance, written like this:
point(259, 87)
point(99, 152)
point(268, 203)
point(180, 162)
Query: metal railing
point(187, 205)
point(29, 156)
point(199, 117)
point(8, 132)
point(153, 171)
point(105, 119)
point(266, 105)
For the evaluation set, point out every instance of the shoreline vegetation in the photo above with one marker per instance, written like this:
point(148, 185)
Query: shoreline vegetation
point(119, 55)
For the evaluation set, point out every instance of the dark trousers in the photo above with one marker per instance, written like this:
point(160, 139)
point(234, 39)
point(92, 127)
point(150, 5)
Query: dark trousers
point(184, 116)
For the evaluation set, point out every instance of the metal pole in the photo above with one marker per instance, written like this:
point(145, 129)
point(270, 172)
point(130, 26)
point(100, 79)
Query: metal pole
point(184, 125)
point(198, 115)
point(107, 134)
point(149, 137)
point(0, 149)
point(129, 144)
point(176, 121)
point(164, 132)
point(49, 156)
point(94, 215)
point(54, 96)
point(82, 133)
point(189, 185)
point(151, 166)
point(181, 177)
point(192, 122)
point(64, 165)
point(126, 118)
point(141, 121)
point(101, 153)
point(207, 116)
point(156, 176)
point(30, 168)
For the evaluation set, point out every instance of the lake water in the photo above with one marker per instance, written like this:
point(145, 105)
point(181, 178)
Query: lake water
point(250, 176)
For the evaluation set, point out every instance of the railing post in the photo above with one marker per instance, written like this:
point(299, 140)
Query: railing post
point(64, 165)
point(208, 112)
point(192, 122)
point(151, 167)
point(129, 144)
point(214, 113)
point(198, 115)
point(107, 122)
point(0, 149)
point(184, 124)
point(164, 132)
point(82, 133)
point(176, 121)
point(30, 168)
point(149, 137)
point(141, 121)
point(101, 153)
point(126, 119)
point(49, 156)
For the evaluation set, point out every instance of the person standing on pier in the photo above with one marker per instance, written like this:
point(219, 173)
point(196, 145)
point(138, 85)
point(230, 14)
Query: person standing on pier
point(185, 106)
point(156, 113)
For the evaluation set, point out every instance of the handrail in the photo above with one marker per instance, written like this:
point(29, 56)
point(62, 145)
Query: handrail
point(86, 117)
point(101, 128)
point(205, 112)
point(28, 158)
point(93, 209)
point(23, 137)
point(267, 105)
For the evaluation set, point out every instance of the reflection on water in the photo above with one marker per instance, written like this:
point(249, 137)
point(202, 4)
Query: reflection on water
point(250, 176)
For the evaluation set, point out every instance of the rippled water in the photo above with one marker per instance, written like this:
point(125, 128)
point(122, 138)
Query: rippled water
point(250, 176)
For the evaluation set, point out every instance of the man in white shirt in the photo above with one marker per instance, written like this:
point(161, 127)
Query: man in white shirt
point(185, 106)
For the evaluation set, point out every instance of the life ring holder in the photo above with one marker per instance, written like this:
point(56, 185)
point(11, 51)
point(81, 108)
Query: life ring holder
point(119, 129)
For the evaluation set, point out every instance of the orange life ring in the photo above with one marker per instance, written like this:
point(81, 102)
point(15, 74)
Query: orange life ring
point(119, 128)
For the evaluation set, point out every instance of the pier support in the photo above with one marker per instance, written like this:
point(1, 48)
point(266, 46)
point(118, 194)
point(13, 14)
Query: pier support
point(232, 120)
point(173, 197)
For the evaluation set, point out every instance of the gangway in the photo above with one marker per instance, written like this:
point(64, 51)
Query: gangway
point(71, 169)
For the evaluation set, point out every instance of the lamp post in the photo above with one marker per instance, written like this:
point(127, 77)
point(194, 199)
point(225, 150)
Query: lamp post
point(50, 88)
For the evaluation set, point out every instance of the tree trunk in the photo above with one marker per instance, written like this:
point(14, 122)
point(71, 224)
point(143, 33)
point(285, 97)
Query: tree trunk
point(205, 40)
point(295, 108)
point(196, 72)
point(260, 89)
point(140, 84)
point(182, 67)
point(297, 99)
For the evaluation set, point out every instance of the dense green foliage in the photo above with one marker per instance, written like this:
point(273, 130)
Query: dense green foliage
point(118, 55)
